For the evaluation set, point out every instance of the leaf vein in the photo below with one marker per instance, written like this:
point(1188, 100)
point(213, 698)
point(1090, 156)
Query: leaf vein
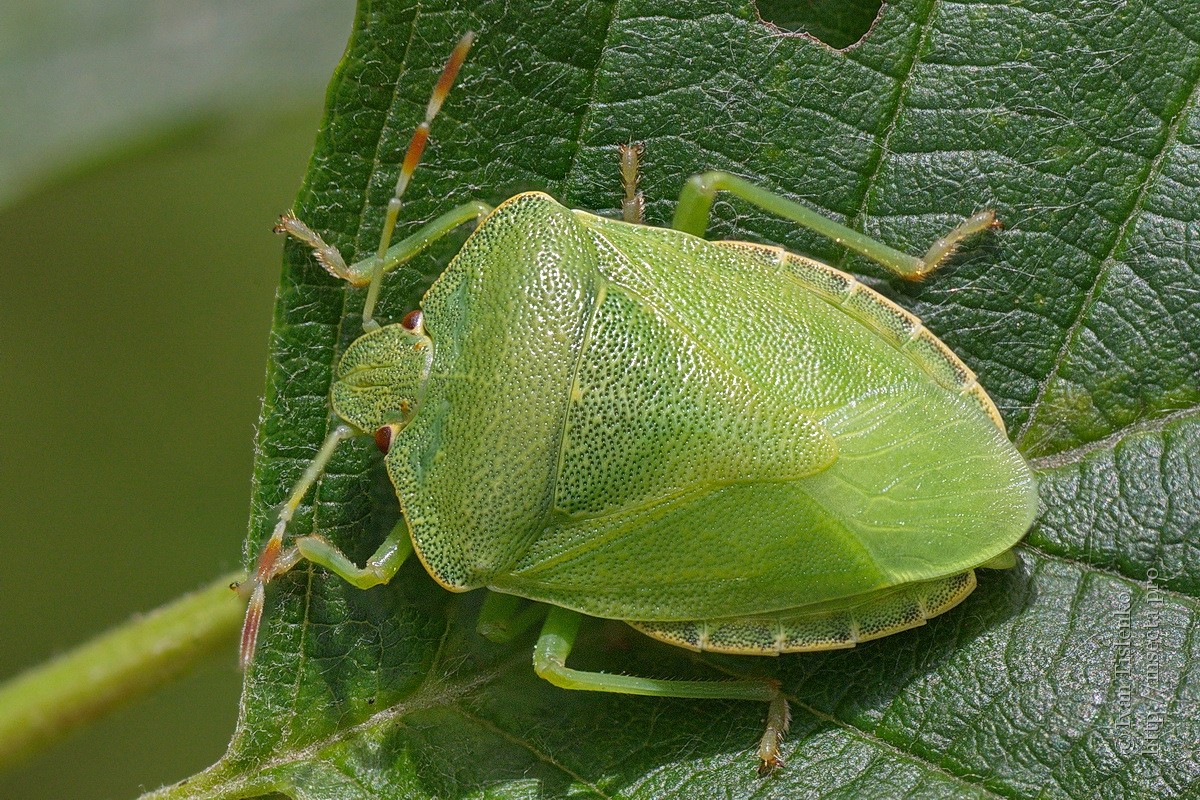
point(1075, 455)
point(545, 758)
point(1107, 264)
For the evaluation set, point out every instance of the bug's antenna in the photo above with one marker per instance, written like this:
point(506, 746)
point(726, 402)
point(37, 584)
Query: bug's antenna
point(416, 145)
point(412, 157)
point(273, 559)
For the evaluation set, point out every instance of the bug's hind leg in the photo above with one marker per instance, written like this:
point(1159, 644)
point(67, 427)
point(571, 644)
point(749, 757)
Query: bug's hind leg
point(550, 662)
point(695, 205)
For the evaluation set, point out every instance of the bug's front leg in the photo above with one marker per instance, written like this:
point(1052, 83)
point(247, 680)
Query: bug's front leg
point(550, 662)
point(370, 271)
point(695, 206)
point(381, 567)
point(274, 560)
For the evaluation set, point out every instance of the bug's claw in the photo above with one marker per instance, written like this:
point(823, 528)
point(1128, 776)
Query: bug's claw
point(768, 765)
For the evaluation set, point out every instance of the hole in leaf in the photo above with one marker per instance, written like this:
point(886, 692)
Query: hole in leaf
point(838, 23)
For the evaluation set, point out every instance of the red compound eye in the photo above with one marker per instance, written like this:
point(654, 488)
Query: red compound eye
point(383, 439)
point(412, 320)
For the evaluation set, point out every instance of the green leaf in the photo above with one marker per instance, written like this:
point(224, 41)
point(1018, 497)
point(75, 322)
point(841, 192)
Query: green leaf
point(1073, 675)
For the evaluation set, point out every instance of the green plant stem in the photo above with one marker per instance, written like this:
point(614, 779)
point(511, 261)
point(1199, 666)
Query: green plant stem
point(51, 700)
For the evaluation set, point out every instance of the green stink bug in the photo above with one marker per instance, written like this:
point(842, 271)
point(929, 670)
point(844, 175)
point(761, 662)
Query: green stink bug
point(728, 446)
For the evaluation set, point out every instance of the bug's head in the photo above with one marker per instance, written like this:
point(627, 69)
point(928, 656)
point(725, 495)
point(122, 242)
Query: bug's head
point(381, 379)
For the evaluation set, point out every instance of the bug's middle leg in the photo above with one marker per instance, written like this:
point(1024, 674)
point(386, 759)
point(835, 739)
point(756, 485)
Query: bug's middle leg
point(695, 205)
point(504, 617)
point(550, 662)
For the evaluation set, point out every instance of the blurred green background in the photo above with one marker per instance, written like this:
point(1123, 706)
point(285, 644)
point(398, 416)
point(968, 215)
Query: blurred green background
point(145, 149)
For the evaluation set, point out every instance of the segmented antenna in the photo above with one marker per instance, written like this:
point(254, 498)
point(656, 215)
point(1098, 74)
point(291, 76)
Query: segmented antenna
point(274, 560)
point(412, 157)
point(420, 137)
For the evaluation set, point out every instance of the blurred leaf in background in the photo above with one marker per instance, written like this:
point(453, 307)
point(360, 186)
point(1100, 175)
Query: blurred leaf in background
point(82, 81)
point(1074, 675)
point(145, 149)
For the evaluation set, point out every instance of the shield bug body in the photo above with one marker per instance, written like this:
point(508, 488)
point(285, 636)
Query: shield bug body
point(729, 446)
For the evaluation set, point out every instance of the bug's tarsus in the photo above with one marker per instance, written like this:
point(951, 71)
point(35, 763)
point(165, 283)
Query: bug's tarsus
point(633, 205)
point(947, 245)
point(779, 719)
point(327, 256)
